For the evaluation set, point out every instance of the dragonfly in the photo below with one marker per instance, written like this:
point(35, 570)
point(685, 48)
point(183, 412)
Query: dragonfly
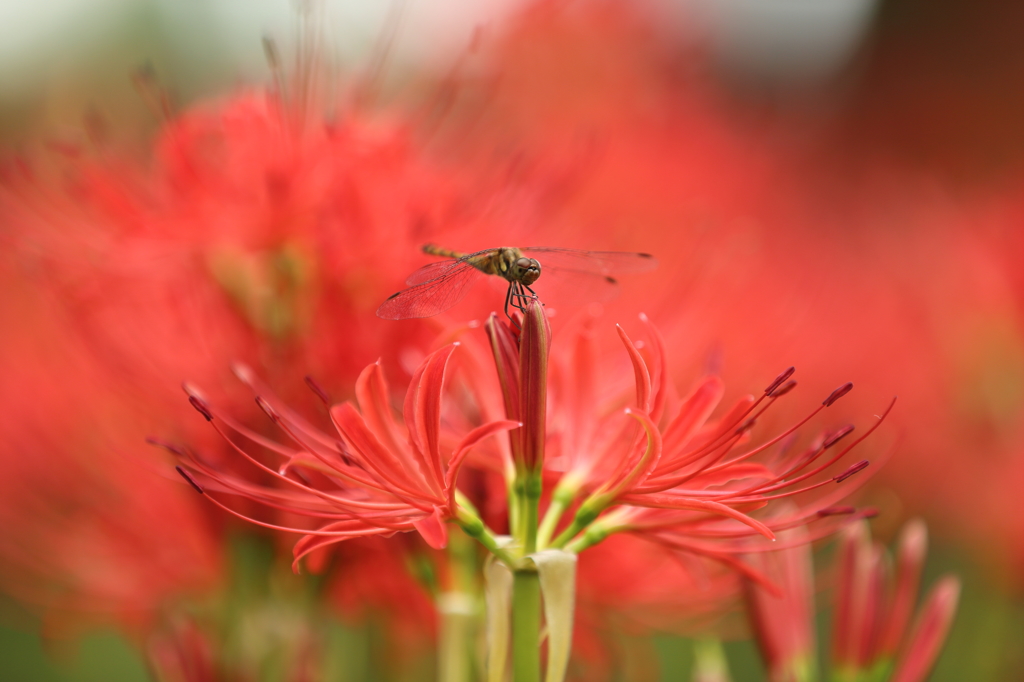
point(438, 286)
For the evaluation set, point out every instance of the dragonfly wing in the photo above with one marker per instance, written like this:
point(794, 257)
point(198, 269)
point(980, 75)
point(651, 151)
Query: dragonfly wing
point(562, 287)
point(431, 297)
point(596, 262)
point(442, 268)
point(432, 271)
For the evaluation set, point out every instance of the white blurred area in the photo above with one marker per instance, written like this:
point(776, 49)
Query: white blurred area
point(47, 40)
point(46, 43)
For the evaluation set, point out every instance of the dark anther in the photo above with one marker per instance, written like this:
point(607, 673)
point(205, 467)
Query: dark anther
point(837, 436)
point(745, 426)
point(838, 393)
point(320, 392)
point(836, 511)
point(170, 447)
point(783, 389)
point(859, 466)
point(201, 407)
point(343, 451)
point(779, 379)
point(266, 407)
point(192, 481)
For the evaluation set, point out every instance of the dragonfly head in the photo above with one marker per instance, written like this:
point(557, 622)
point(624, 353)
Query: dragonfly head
point(528, 270)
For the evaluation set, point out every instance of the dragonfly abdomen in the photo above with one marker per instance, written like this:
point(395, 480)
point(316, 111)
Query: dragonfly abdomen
point(435, 250)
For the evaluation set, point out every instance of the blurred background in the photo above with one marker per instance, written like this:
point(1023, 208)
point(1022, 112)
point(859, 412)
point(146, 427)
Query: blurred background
point(837, 185)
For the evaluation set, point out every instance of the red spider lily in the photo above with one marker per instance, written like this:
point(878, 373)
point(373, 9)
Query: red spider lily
point(375, 478)
point(873, 609)
point(682, 483)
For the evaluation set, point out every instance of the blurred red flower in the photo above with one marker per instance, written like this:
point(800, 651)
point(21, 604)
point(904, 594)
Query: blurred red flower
point(874, 605)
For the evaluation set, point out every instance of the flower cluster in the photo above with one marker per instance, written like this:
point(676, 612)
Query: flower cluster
point(873, 607)
point(686, 480)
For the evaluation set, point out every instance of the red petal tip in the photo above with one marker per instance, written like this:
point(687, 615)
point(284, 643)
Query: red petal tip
point(243, 372)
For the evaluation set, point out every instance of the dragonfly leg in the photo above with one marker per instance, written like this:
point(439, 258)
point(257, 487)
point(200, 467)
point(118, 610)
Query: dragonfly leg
point(508, 298)
point(516, 298)
point(520, 297)
point(533, 293)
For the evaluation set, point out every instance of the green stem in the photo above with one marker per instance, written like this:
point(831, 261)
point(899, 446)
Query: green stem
point(568, 534)
point(514, 507)
point(528, 490)
point(457, 609)
point(487, 539)
point(561, 499)
point(526, 607)
point(531, 513)
point(710, 664)
point(590, 537)
point(585, 515)
point(454, 650)
point(470, 522)
point(550, 522)
point(596, 532)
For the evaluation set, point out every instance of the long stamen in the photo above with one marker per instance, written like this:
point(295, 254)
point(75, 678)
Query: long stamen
point(780, 481)
point(314, 491)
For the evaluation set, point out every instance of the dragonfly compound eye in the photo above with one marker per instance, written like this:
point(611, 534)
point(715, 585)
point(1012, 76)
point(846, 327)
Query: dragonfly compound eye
point(529, 270)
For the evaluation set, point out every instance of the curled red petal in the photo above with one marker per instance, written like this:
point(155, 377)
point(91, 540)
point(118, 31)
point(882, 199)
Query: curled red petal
point(910, 558)
point(660, 382)
point(641, 375)
point(632, 474)
point(433, 529)
point(423, 413)
point(459, 456)
point(667, 501)
point(395, 471)
point(373, 397)
point(930, 632)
